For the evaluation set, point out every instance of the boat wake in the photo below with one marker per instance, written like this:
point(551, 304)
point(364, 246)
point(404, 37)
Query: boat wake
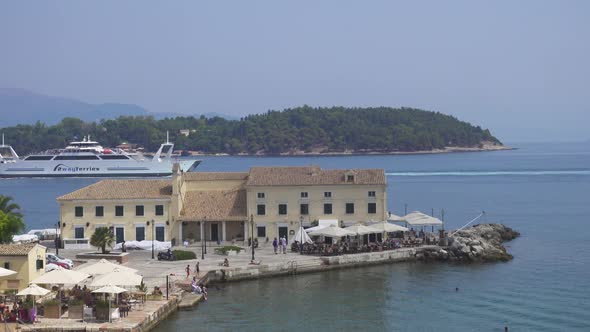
point(492, 173)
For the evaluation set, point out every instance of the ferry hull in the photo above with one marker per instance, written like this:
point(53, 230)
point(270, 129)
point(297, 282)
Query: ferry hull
point(51, 169)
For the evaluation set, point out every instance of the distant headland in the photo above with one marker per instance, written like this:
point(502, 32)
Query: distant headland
point(297, 131)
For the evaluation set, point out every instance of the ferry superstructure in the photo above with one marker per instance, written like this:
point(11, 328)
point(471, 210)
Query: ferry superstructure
point(88, 158)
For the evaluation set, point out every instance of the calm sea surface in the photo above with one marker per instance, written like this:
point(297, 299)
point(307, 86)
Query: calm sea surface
point(541, 190)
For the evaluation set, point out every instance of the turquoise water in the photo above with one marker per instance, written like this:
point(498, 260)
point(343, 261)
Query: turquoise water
point(542, 190)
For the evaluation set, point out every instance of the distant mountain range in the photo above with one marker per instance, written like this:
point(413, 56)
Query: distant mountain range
point(20, 106)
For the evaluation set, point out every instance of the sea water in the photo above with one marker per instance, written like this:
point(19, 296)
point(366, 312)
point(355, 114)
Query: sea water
point(541, 190)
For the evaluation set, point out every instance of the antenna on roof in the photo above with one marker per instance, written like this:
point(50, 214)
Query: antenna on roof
point(167, 140)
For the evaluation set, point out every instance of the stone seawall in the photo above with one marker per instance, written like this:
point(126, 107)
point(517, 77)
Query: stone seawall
point(313, 264)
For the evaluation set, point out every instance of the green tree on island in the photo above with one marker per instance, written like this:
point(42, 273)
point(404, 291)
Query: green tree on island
point(102, 238)
point(11, 220)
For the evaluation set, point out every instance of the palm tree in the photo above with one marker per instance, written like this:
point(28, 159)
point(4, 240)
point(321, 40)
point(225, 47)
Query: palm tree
point(102, 238)
point(9, 208)
point(11, 220)
point(10, 225)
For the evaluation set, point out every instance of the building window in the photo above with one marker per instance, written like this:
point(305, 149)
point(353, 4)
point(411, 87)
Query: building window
point(349, 208)
point(327, 194)
point(304, 194)
point(79, 232)
point(7, 265)
point(159, 210)
point(350, 178)
point(119, 211)
point(139, 233)
point(260, 195)
point(282, 209)
point(160, 233)
point(261, 209)
point(261, 231)
point(99, 211)
point(371, 194)
point(304, 209)
point(139, 210)
point(372, 208)
point(79, 211)
point(327, 208)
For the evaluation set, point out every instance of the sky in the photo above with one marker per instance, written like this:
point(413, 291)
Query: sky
point(519, 68)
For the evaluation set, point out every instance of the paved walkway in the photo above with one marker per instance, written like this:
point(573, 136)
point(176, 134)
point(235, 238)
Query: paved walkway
point(154, 271)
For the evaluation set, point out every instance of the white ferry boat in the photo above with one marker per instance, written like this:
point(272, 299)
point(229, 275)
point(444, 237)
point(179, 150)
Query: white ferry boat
point(87, 158)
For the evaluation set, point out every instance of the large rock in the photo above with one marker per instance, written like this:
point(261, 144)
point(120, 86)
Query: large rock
point(479, 243)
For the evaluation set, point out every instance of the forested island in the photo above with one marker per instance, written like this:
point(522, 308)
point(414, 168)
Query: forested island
point(291, 131)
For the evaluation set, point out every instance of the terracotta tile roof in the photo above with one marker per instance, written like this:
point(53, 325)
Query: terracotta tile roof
point(16, 249)
point(215, 205)
point(312, 175)
point(213, 176)
point(122, 189)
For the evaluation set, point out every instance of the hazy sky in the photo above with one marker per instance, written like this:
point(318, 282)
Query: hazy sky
point(520, 68)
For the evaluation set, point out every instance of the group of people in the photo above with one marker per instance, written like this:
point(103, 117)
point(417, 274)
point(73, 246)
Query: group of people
point(280, 245)
point(6, 314)
point(199, 288)
point(187, 269)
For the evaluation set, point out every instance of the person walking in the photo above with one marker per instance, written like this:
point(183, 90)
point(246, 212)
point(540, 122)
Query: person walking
point(188, 271)
point(197, 269)
point(284, 244)
point(275, 245)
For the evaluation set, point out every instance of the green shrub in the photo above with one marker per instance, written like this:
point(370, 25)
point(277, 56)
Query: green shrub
point(51, 302)
point(102, 304)
point(223, 250)
point(182, 255)
point(76, 301)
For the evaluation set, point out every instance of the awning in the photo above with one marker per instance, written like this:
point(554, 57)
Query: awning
point(387, 227)
point(33, 290)
point(118, 278)
point(360, 229)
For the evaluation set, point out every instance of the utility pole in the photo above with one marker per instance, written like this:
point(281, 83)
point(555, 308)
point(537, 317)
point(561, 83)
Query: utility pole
point(252, 234)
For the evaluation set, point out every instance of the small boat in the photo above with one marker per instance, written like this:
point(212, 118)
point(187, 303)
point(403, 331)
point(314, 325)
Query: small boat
point(88, 158)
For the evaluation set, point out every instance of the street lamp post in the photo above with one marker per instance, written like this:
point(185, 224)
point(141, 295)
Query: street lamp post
point(153, 236)
point(57, 233)
point(252, 234)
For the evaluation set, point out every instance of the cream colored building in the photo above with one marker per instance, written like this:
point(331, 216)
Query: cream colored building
point(28, 260)
point(220, 206)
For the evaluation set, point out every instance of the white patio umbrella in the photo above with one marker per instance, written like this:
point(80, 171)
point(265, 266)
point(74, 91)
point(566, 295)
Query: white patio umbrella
point(360, 229)
point(34, 290)
point(110, 290)
point(393, 217)
point(6, 272)
point(383, 226)
point(300, 236)
point(103, 267)
point(332, 231)
point(61, 277)
point(418, 218)
point(118, 278)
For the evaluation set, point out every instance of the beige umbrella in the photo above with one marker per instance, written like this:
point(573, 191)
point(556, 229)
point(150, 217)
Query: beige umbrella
point(418, 218)
point(393, 217)
point(34, 290)
point(103, 267)
point(118, 278)
point(61, 277)
point(110, 290)
point(361, 229)
point(6, 272)
point(383, 226)
point(332, 231)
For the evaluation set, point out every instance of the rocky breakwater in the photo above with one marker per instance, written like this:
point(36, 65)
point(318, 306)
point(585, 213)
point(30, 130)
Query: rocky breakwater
point(479, 243)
